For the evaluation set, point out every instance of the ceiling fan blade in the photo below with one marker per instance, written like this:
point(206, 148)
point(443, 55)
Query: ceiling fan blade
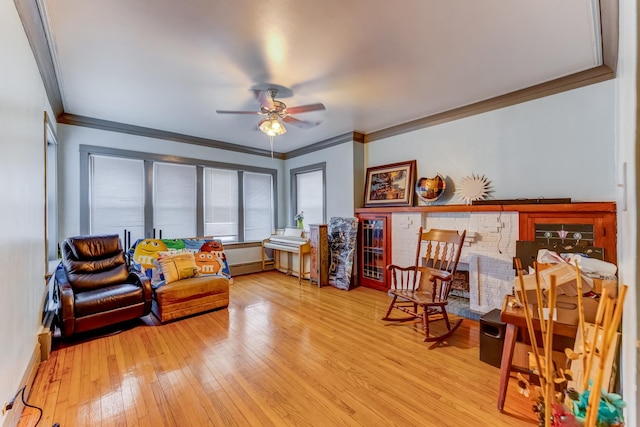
point(265, 99)
point(299, 123)
point(236, 112)
point(305, 108)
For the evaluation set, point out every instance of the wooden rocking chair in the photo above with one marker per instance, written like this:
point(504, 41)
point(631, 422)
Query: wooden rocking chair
point(422, 291)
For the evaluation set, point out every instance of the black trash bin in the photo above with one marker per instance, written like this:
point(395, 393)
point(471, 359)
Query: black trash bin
point(491, 337)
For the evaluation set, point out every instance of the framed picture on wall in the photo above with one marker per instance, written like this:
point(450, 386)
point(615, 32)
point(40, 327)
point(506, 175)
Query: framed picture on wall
point(390, 185)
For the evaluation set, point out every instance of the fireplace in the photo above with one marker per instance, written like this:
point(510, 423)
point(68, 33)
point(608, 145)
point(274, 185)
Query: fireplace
point(492, 232)
point(460, 282)
point(486, 263)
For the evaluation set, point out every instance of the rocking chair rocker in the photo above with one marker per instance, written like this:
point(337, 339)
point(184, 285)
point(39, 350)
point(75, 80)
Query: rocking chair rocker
point(422, 291)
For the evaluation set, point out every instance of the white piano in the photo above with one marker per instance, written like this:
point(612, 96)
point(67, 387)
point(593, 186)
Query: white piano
point(292, 241)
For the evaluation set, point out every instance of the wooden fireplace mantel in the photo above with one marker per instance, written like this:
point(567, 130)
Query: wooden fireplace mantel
point(601, 214)
point(578, 207)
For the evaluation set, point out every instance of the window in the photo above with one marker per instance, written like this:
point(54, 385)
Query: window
point(308, 193)
point(51, 196)
point(148, 194)
point(116, 199)
point(258, 206)
point(174, 200)
point(221, 204)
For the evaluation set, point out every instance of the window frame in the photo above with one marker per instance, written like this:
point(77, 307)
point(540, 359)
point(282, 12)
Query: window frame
point(51, 214)
point(294, 188)
point(149, 158)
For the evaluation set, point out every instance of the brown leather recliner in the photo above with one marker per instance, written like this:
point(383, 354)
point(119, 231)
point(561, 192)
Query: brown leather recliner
point(96, 287)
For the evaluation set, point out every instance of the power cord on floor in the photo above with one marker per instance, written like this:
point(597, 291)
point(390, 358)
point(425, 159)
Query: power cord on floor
point(25, 403)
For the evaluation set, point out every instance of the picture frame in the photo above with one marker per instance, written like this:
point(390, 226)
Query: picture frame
point(390, 185)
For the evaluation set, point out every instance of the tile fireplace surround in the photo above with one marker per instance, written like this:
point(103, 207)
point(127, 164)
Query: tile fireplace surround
point(487, 253)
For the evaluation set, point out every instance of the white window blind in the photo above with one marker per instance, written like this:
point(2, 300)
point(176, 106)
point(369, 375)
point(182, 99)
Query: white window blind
point(174, 200)
point(310, 197)
point(221, 204)
point(258, 206)
point(116, 199)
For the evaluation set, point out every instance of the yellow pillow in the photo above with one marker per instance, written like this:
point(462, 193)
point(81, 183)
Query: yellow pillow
point(178, 267)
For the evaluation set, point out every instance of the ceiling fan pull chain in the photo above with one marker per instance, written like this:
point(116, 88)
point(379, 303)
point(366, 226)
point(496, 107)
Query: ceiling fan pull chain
point(271, 144)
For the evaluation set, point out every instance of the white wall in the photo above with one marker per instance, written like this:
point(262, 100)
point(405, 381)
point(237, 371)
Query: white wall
point(558, 146)
point(71, 137)
point(22, 286)
point(627, 203)
point(339, 180)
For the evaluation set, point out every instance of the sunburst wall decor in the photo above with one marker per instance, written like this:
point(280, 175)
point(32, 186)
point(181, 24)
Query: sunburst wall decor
point(474, 187)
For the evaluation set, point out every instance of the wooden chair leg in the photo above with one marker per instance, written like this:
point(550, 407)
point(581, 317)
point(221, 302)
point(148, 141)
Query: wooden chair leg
point(446, 318)
point(393, 301)
point(425, 322)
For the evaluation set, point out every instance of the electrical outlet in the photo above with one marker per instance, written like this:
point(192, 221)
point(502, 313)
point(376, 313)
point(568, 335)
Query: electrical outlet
point(8, 405)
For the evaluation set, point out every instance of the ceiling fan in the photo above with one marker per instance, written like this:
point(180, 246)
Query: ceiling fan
point(277, 110)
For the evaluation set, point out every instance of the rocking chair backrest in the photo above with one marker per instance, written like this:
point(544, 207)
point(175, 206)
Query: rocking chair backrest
point(440, 250)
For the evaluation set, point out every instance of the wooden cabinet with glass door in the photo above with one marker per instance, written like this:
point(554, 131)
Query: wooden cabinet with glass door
point(374, 250)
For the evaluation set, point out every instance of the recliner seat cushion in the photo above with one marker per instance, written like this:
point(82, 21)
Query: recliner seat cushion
point(107, 298)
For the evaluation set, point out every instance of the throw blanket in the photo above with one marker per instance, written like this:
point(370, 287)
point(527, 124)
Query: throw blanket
point(209, 256)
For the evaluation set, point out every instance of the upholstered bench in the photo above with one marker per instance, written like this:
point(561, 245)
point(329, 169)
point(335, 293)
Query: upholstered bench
point(188, 276)
point(190, 296)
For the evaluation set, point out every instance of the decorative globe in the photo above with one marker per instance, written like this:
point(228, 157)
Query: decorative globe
point(430, 189)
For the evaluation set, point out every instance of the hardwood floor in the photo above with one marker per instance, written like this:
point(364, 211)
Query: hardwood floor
point(281, 354)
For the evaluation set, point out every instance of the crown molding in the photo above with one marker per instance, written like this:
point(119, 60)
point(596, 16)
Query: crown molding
point(29, 14)
point(336, 140)
point(610, 29)
point(90, 122)
point(573, 81)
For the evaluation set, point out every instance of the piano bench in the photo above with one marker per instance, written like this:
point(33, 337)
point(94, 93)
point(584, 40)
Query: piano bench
point(190, 296)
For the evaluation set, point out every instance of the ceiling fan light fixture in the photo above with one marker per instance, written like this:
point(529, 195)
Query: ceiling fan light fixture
point(272, 126)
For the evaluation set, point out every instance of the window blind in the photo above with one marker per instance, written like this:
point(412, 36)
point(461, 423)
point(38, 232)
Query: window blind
point(116, 196)
point(221, 204)
point(174, 200)
point(309, 197)
point(258, 206)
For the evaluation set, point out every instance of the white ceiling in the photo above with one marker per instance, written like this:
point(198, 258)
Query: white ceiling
point(169, 65)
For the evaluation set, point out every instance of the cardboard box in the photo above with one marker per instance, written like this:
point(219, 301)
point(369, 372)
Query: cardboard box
point(567, 303)
point(611, 284)
point(521, 353)
point(566, 281)
point(577, 366)
point(530, 287)
point(568, 309)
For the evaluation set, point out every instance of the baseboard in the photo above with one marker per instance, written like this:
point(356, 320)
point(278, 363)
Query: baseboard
point(247, 268)
point(13, 416)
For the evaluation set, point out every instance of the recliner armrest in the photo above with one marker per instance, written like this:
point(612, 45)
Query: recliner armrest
point(67, 301)
point(145, 283)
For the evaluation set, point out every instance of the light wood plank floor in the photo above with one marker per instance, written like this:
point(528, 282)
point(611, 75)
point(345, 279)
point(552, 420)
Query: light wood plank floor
point(281, 354)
